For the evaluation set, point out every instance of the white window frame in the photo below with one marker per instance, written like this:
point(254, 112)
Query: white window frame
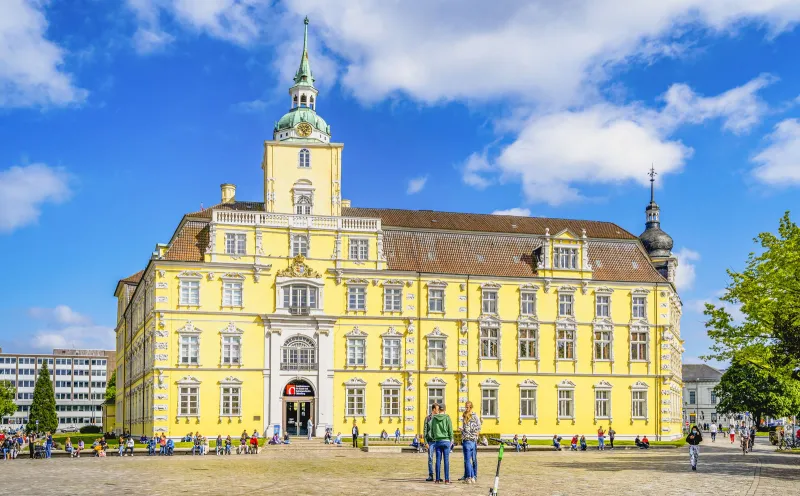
point(569, 341)
point(353, 299)
point(568, 398)
point(388, 358)
point(528, 387)
point(438, 396)
point(188, 354)
point(355, 398)
point(642, 389)
point(606, 305)
point(358, 249)
point(566, 257)
point(531, 336)
point(605, 341)
point(639, 345)
point(304, 158)
point(231, 289)
point(235, 243)
point(436, 346)
point(189, 384)
point(228, 398)
point(300, 245)
point(491, 341)
point(490, 400)
point(566, 304)
point(527, 303)
point(233, 348)
point(192, 285)
point(639, 307)
point(391, 392)
point(303, 202)
point(435, 295)
point(295, 300)
point(392, 298)
point(602, 396)
point(490, 300)
point(356, 340)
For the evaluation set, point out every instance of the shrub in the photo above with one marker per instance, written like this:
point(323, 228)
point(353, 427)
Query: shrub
point(91, 429)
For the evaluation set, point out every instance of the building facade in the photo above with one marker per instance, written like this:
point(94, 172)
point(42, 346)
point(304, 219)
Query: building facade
point(266, 314)
point(699, 398)
point(79, 380)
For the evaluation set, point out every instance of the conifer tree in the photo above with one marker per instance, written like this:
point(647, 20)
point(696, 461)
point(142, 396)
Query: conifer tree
point(43, 407)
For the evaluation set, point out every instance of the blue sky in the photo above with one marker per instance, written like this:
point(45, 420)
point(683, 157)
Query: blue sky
point(118, 117)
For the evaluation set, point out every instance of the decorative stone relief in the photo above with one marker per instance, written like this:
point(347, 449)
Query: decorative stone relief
point(462, 298)
point(463, 341)
point(161, 357)
point(410, 361)
point(410, 327)
point(410, 418)
point(409, 428)
point(584, 287)
point(410, 340)
point(160, 408)
point(410, 408)
point(161, 346)
point(160, 396)
point(162, 334)
point(462, 309)
point(410, 351)
point(160, 418)
point(162, 285)
point(462, 286)
point(462, 363)
point(161, 299)
point(410, 296)
point(462, 353)
point(161, 429)
point(410, 307)
point(210, 276)
point(547, 283)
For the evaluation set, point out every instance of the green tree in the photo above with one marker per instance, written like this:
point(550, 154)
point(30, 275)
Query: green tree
point(768, 292)
point(111, 389)
point(43, 407)
point(746, 387)
point(8, 394)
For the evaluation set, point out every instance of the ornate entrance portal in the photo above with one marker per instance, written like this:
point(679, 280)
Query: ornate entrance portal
point(298, 398)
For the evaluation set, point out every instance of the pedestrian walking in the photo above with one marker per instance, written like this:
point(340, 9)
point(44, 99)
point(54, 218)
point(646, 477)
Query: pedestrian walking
point(441, 428)
point(694, 439)
point(397, 436)
point(611, 435)
point(601, 439)
point(470, 431)
point(427, 436)
point(310, 427)
point(355, 434)
point(732, 432)
point(713, 430)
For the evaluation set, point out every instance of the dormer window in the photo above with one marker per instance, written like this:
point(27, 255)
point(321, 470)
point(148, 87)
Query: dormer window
point(565, 258)
point(303, 205)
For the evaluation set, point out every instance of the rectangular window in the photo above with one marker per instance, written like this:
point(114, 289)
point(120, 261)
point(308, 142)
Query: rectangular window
point(357, 298)
point(566, 405)
point(527, 343)
point(489, 302)
point(435, 352)
point(190, 350)
point(638, 346)
point(602, 345)
point(231, 401)
point(435, 395)
point(299, 298)
point(565, 258)
point(692, 398)
point(355, 401)
point(190, 292)
point(231, 350)
point(639, 307)
point(489, 342)
point(639, 404)
point(565, 344)
point(299, 245)
point(231, 294)
point(489, 402)
point(359, 249)
point(393, 299)
point(713, 397)
point(713, 417)
point(602, 403)
point(188, 400)
point(391, 352)
point(235, 243)
point(565, 305)
point(355, 351)
point(527, 403)
point(527, 304)
point(603, 306)
point(391, 402)
point(436, 300)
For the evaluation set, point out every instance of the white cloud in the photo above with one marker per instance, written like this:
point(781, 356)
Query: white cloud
point(699, 306)
point(779, 163)
point(475, 169)
point(685, 275)
point(23, 191)
point(31, 66)
point(251, 107)
point(416, 185)
point(517, 211)
point(66, 328)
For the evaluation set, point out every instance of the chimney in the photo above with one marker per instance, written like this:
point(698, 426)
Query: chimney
point(228, 192)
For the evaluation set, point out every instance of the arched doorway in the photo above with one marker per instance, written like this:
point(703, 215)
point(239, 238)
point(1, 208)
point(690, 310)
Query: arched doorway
point(298, 399)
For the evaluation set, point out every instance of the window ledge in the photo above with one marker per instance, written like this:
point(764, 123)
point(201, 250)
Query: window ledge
point(566, 359)
point(527, 359)
point(356, 415)
point(188, 305)
point(189, 365)
point(186, 416)
point(489, 358)
point(231, 365)
point(435, 312)
point(393, 312)
point(603, 360)
point(392, 367)
point(639, 361)
point(439, 367)
point(490, 416)
point(383, 415)
point(528, 417)
point(235, 307)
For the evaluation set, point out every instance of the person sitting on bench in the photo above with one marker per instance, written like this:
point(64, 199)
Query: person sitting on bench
point(556, 442)
point(583, 443)
point(128, 446)
point(573, 445)
point(645, 442)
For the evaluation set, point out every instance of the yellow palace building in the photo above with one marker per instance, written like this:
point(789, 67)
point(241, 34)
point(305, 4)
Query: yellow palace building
point(263, 315)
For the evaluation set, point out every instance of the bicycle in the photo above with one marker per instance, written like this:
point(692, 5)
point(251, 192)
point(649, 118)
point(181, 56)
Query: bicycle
point(744, 443)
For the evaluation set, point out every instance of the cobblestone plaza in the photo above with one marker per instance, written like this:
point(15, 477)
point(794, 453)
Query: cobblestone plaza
point(287, 470)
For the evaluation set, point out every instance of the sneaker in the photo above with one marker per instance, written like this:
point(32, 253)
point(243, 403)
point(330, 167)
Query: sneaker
point(429, 479)
point(447, 482)
point(694, 468)
point(462, 479)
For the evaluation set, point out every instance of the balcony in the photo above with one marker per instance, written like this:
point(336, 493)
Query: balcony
point(299, 366)
point(301, 310)
point(266, 219)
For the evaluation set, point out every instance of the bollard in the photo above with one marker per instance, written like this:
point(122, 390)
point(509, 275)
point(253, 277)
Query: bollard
point(366, 440)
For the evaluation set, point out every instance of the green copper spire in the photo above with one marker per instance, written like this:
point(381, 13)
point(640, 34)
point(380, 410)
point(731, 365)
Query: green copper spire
point(303, 75)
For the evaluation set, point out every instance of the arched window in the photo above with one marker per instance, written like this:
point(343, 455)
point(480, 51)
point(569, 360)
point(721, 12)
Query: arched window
point(294, 101)
point(299, 353)
point(304, 159)
point(303, 101)
point(311, 102)
point(303, 205)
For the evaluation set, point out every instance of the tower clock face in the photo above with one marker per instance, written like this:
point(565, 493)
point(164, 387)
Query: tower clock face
point(304, 129)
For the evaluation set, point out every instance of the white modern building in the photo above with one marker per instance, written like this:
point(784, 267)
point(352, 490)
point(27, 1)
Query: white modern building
point(699, 398)
point(79, 380)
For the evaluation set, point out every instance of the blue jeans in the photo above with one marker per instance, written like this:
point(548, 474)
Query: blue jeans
point(431, 449)
point(601, 443)
point(442, 450)
point(48, 449)
point(468, 447)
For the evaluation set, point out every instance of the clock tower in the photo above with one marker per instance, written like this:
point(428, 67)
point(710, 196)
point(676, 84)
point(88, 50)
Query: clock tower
point(302, 168)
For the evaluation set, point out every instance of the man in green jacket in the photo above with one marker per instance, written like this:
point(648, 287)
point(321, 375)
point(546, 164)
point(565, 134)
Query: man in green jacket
point(426, 434)
point(441, 431)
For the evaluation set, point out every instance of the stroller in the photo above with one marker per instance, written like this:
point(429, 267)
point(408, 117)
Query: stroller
point(39, 452)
